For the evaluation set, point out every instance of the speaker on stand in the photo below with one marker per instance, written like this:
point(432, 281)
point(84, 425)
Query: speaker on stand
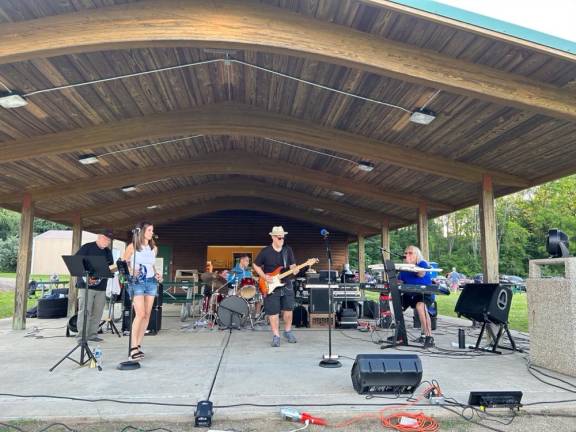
point(487, 304)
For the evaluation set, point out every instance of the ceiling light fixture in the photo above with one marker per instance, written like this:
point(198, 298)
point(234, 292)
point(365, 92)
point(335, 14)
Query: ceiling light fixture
point(318, 209)
point(423, 116)
point(337, 193)
point(365, 166)
point(12, 100)
point(151, 207)
point(88, 159)
point(129, 188)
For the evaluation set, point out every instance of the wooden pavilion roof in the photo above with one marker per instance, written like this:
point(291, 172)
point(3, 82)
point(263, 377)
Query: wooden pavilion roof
point(242, 136)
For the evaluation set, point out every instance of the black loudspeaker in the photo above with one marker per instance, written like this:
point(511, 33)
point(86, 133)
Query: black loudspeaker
point(370, 309)
point(386, 373)
point(485, 303)
point(319, 300)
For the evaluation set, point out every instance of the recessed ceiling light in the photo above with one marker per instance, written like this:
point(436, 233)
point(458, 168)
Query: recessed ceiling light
point(365, 166)
point(88, 159)
point(129, 188)
point(12, 100)
point(337, 193)
point(151, 207)
point(423, 116)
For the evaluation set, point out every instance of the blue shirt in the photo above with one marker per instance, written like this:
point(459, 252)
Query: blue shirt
point(413, 278)
point(238, 273)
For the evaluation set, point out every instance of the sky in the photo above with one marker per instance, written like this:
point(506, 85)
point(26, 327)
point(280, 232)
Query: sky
point(554, 17)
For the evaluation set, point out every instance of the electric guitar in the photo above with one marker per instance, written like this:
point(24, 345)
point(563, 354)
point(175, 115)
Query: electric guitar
point(269, 287)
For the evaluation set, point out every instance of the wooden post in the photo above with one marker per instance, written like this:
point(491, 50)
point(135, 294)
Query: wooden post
point(23, 265)
point(361, 258)
point(385, 241)
point(422, 229)
point(76, 243)
point(488, 244)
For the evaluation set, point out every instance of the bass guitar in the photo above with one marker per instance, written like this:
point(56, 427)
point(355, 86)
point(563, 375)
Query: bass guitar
point(269, 287)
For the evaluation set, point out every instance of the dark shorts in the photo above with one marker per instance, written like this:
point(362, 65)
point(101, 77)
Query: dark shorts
point(281, 299)
point(410, 300)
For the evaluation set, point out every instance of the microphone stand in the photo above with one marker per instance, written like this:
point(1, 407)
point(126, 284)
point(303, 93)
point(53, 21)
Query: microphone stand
point(328, 361)
point(131, 364)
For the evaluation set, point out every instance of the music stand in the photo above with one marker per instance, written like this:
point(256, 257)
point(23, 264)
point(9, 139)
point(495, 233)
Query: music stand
point(84, 267)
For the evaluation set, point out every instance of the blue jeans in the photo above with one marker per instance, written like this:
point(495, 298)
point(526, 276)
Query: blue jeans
point(149, 287)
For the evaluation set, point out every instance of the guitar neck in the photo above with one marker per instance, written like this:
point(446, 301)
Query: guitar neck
point(288, 272)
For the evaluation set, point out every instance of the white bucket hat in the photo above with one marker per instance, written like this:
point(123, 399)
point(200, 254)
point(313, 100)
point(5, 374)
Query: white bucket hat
point(278, 231)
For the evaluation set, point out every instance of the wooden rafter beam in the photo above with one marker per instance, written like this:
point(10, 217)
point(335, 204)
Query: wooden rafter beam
point(236, 163)
point(246, 120)
point(252, 25)
point(229, 189)
point(245, 203)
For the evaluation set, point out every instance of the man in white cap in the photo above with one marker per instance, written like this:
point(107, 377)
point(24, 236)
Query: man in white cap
point(282, 299)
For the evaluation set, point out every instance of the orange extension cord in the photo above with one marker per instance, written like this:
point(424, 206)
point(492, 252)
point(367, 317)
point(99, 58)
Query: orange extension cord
point(392, 421)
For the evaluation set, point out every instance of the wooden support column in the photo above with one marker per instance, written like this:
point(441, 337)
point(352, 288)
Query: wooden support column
point(385, 241)
point(361, 258)
point(488, 244)
point(422, 229)
point(76, 243)
point(23, 265)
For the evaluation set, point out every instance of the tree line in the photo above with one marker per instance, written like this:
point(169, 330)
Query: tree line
point(523, 221)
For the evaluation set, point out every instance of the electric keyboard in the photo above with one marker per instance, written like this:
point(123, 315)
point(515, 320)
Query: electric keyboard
point(413, 288)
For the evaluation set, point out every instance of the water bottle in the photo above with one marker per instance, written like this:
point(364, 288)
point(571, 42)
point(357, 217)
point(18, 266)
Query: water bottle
point(98, 357)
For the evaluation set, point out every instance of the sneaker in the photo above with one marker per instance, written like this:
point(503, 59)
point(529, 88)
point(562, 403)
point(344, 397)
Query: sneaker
point(290, 337)
point(391, 339)
point(429, 342)
point(275, 341)
point(95, 339)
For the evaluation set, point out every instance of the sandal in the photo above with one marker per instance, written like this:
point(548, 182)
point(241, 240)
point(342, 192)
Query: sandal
point(140, 350)
point(135, 354)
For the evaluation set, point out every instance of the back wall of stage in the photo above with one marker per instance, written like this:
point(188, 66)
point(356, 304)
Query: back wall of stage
point(188, 240)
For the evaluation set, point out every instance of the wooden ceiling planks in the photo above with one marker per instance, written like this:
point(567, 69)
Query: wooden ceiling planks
point(496, 137)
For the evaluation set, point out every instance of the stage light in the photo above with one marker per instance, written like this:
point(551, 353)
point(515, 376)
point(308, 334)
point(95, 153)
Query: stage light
point(12, 100)
point(557, 244)
point(130, 188)
point(365, 166)
point(423, 116)
point(88, 159)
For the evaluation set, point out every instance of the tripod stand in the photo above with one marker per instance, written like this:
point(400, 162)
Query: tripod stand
point(84, 266)
point(110, 326)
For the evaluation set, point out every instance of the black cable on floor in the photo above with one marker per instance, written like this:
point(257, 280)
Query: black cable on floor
point(219, 363)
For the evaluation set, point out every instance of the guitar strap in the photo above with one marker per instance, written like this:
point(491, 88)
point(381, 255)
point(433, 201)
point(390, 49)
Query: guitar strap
point(285, 261)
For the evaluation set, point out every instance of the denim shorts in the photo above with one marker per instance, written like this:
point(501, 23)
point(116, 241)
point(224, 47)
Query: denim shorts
point(149, 287)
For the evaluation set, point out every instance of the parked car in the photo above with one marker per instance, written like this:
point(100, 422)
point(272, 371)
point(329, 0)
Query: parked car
point(515, 281)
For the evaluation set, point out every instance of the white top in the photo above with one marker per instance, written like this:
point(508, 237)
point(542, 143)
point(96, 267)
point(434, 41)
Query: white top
point(145, 257)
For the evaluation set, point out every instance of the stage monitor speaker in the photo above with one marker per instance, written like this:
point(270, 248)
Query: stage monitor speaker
point(485, 303)
point(386, 373)
point(318, 300)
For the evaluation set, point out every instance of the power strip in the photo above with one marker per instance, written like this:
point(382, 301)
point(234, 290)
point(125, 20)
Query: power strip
point(437, 400)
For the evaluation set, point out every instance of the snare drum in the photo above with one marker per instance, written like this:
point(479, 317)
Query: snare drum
point(247, 288)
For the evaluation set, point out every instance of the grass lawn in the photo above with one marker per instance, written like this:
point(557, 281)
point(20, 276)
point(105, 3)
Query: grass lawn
point(518, 311)
point(34, 277)
point(7, 304)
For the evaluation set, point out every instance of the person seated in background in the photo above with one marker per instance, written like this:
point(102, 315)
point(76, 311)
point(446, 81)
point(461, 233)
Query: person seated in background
point(347, 276)
point(417, 301)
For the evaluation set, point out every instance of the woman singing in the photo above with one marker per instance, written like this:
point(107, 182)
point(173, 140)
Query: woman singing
point(143, 286)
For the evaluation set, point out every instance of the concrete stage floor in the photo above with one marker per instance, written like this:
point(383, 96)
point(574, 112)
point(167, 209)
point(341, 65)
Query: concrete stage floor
point(181, 365)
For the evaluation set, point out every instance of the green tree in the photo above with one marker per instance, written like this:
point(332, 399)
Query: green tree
point(8, 254)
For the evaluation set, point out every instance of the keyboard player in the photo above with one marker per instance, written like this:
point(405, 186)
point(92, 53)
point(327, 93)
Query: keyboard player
point(418, 301)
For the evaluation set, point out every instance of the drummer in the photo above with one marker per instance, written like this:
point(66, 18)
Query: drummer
point(240, 270)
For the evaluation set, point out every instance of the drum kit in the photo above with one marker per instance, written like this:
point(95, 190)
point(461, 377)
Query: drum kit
point(230, 304)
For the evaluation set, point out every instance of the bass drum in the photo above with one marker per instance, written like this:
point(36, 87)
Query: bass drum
point(233, 312)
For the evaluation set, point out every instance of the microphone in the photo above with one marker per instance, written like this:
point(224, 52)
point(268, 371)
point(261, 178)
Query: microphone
point(324, 232)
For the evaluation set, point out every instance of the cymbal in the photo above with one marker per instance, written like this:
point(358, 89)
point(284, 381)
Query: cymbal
point(208, 277)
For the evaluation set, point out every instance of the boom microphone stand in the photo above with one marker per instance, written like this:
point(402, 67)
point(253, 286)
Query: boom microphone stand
point(329, 361)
